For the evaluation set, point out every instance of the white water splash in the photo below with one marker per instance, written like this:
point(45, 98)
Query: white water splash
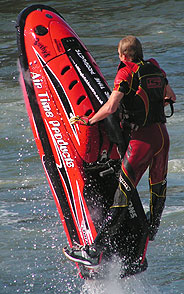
point(137, 284)
point(131, 285)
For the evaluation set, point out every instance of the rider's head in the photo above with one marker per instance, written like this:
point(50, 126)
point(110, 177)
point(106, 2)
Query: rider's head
point(130, 49)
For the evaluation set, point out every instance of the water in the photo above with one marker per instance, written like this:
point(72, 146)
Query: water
point(31, 235)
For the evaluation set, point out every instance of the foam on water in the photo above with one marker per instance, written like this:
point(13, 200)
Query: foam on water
point(176, 165)
point(173, 209)
point(138, 284)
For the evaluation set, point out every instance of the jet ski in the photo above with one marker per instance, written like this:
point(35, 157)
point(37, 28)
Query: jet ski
point(60, 79)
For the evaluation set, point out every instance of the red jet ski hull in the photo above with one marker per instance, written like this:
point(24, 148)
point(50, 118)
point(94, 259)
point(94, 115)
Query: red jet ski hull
point(60, 79)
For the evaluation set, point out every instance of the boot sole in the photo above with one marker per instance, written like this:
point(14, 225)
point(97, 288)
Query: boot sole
point(84, 262)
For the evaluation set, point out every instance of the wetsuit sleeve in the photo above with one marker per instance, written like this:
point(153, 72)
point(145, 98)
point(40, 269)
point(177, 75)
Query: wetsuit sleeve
point(121, 82)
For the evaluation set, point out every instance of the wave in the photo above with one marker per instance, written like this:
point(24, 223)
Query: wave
point(176, 166)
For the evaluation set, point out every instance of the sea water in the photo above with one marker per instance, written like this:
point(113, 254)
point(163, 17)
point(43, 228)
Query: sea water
point(31, 234)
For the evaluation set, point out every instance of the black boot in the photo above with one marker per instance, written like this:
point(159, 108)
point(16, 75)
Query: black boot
point(117, 213)
point(90, 255)
point(110, 226)
point(157, 204)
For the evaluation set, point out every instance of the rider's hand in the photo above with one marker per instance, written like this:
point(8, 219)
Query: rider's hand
point(81, 120)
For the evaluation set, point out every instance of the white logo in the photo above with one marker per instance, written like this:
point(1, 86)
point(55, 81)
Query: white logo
point(123, 182)
point(131, 210)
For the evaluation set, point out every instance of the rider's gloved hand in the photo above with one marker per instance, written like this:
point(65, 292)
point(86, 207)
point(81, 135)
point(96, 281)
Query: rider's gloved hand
point(81, 120)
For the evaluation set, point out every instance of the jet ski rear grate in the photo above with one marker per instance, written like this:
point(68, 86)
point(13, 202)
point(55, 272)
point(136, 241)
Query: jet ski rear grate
point(65, 69)
point(72, 84)
point(81, 98)
point(88, 112)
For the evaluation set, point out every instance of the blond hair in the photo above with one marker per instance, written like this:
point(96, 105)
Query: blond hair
point(130, 46)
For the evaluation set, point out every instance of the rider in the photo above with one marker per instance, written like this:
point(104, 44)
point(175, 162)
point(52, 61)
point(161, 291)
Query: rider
point(140, 88)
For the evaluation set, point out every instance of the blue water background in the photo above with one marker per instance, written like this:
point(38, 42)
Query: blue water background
point(31, 234)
